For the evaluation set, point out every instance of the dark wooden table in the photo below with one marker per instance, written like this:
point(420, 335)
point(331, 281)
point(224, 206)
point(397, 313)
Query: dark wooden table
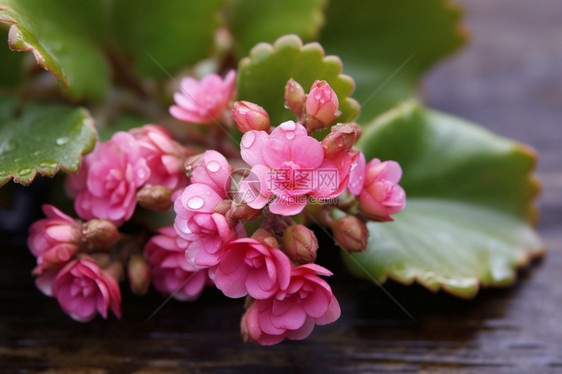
point(508, 79)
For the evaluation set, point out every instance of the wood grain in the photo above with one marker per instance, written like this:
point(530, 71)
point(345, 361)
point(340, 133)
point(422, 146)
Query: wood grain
point(508, 79)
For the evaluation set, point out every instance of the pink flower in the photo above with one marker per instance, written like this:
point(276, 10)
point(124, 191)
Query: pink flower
point(163, 155)
point(212, 170)
point(107, 182)
point(357, 173)
point(292, 313)
point(83, 290)
point(251, 267)
point(381, 195)
point(170, 272)
point(53, 240)
point(321, 106)
point(197, 222)
point(203, 102)
point(288, 165)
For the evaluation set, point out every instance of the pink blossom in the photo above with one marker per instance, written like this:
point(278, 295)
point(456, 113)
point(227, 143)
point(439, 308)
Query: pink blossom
point(163, 155)
point(205, 101)
point(212, 170)
point(205, 229)
point(83, 290)
point(293, 312)
point(170, 272)
point(106, 185)
point(287, 165)
point(251, 267)
point(381, 195)
point(357, 173)
point(53, 240)
point(249, 116)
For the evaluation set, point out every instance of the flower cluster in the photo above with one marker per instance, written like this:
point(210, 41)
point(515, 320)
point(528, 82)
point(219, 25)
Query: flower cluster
point(233, 227)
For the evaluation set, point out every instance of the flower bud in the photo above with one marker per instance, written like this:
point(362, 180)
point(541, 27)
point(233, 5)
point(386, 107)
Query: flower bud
point(264, 236)
point(300, 244)
point(350, 233)
point(138, 272)
point(249, 116)
point(99, 233)
point(295, 98)
point(243, 212)
point(157, 198)
point(321, 106)
point(341, 139)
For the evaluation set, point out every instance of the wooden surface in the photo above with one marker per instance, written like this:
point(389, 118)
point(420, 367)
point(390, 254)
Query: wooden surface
point(509, 79)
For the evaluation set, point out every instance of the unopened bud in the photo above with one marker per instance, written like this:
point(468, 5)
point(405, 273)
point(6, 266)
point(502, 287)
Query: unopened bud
point(321, 106)
point(223, 207)
point(350, 233)
point(265, 237)
point(157, 198)
point(138, 272)
point(300, 244)
point(243, 212)
point(341, 139)
point(99, 233)
point(295, 98)
point(249, 116)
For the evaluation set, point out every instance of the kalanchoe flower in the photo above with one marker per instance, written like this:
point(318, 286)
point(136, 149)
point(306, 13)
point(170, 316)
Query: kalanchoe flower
point(350, 233)
point(212, 169)
point(83, 290)
point(340, 140)
point(295, 98)
point(249, 116)
point(287, 165)
point(253, 267)
point(205, 229)
point(138, 274)
point(163, 155)
point(292, 313)
point(357, 173)
point(53, 240)
point(206, 101)
point(106, 185)
point(381, 195)
point(321, 106)
point(300, 244)
point(170, 272)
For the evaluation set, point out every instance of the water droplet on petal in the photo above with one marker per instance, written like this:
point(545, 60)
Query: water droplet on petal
point(213, 166)
point(62, 140)
point(248, 139)
point(195, 202)
point(290, 135)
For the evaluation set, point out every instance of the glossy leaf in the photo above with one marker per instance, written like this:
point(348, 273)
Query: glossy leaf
point(386, 45)
point(162, 37)
point(11, 73)
point(263, 75)
point(469, 198)
point(41, 138)
point(65, 37)
point(255, 21)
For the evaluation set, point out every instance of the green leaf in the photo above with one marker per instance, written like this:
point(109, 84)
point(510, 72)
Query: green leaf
point(41, 138)
point(11, 73)
point(469, 196)
point(164, 36)
point(386, 45)
point(65, 38)
point(255, 21)
point(263, 75)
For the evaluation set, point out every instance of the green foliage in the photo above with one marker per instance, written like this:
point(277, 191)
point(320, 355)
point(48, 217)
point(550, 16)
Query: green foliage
point(386, 45)
point(255, 21)
point(468, 199)
point(165, 36)
point(41, 138)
